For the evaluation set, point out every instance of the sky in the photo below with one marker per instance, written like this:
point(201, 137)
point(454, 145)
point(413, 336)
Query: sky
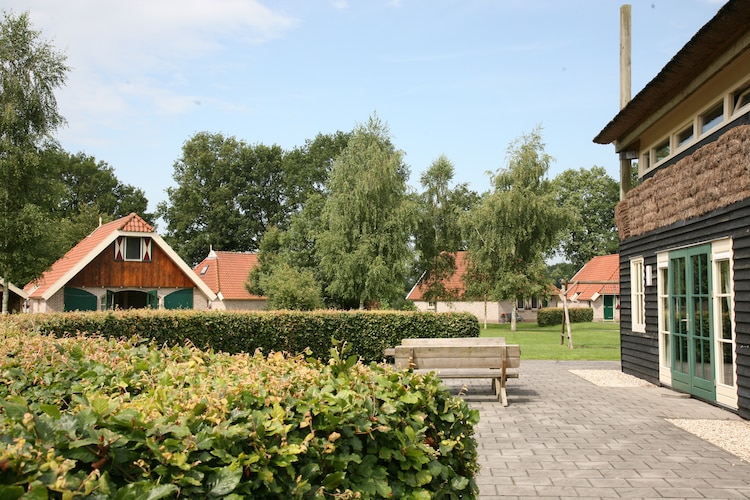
point(459, 78)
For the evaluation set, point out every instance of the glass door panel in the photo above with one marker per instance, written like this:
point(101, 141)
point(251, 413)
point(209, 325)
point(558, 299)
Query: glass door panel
point(690, 296)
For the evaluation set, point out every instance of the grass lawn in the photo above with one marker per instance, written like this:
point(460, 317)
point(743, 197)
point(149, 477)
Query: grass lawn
point(591, 341)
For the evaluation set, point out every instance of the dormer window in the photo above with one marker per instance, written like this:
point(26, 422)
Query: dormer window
point(133, 248)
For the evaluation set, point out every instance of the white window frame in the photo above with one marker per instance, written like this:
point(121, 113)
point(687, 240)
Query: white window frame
point(665, 336)
point(638, 295)
point(721, 251)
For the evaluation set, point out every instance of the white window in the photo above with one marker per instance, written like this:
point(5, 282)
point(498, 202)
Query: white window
point(131, 248)
point(711, 118)
point(637, 295)
point(665, 345)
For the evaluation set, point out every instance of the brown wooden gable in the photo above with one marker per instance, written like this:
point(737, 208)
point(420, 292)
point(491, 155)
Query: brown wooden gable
point(105, 271)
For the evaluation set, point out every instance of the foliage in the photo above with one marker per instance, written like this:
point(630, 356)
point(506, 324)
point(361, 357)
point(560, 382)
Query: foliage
point(229, 192)
point(590, 196)
point(367, 220)
point(291, 288)
point(87, 417)
point(562, 271)
point(366, 333)
point(513, 228)
point(594, 341)
point(554, 315)
point(438, 232)
point(30, 72)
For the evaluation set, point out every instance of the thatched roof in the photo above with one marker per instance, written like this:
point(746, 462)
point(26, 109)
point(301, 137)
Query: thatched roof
point(731, 23)
point(713, 177)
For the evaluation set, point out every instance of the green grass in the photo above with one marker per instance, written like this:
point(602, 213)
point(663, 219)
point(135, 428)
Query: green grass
point(591, 341)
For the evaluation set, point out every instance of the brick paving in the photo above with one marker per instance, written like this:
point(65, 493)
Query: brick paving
point(565, 437)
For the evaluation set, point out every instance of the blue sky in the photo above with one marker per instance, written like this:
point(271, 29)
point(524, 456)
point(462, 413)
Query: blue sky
point(460, 78)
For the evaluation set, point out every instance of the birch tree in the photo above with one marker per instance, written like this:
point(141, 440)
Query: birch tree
point(364, 247)
point(515, 226)
point(30, 72)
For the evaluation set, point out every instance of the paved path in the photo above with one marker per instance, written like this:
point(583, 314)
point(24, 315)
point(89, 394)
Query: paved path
point(565, 437)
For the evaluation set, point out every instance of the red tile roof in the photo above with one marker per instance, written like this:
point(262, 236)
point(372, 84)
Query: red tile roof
point(227, 272)
point(454, 283)
point(600, 275)
point(76, 255)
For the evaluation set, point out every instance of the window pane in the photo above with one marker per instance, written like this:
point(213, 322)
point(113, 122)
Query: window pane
point(712, 117)
point(685, 136)
point(661, 151)
point(726, 319)
point(724, 277)
point(726, 373)
point(132, 249)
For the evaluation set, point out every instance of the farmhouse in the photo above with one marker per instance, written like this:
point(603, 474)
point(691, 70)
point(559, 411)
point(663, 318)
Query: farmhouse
point(685, 229)
point(122, 264)
point(226, 274)
point(597, 286)
point(494, 312)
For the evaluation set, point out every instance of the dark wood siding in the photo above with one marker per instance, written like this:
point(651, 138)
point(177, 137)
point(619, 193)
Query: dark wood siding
point(104, 271)
point(640, 351)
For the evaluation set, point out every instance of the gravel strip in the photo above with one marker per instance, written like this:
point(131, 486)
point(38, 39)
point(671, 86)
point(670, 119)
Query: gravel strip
point(611, 378)
point(730, 435)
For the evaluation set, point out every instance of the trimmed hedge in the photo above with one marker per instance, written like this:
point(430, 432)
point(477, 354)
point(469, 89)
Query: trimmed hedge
point(95, 418)
point(554, 316)
point(367, 333)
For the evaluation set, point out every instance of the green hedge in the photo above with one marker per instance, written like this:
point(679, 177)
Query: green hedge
point(554, 316)
point(96, 418)
point(367, 333)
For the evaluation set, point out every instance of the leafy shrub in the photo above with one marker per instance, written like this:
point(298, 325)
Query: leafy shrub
point(368, 333)
point(89, 417)
point(554, 316)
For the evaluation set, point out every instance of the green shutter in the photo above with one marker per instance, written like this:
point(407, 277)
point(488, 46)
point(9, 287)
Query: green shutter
point(180, 299)
point(76, 299)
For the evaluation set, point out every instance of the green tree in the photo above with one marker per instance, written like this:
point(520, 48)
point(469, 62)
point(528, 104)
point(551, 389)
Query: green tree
point(88, 192)
point(514, 227)
point(364, 247)
point(438, 233)
point(590, 195)
point(229, 192)
point(291, 288)
point(30, 72)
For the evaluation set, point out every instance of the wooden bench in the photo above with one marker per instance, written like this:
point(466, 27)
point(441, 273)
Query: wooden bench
point(462, 358)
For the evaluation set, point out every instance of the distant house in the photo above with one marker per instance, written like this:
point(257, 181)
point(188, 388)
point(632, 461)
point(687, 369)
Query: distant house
point(16, 298)
point(597, 285)
point(226, 273)
point(496, 312)
point(685, 229)
point(123, 264)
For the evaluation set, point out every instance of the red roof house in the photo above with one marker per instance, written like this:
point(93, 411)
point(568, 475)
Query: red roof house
point(226, 273)
point(492, 312)
point(597, 285)
point(122, 264)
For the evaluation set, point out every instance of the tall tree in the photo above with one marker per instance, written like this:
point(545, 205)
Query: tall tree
point(514, 227)
point(590, 195)
point(30, 72)
point(88, 192)
point(438, 233)
point(229, 192)
point(364, 248)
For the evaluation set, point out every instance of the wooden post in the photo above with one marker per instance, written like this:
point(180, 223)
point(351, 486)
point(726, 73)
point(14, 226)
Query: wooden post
point(566, 318)
point(625, 89)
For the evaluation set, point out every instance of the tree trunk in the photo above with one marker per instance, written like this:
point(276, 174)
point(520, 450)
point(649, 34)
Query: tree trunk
point(485, 313)
point(513, 316)
point(6, 295)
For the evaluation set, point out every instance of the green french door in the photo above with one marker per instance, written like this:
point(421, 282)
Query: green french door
point(691, 325)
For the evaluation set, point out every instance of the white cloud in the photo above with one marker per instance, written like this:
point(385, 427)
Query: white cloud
point(129, 57)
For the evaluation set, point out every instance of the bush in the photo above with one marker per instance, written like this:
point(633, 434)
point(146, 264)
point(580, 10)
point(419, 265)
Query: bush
point(367, 333)
point(89, 417)
point(554, 316)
